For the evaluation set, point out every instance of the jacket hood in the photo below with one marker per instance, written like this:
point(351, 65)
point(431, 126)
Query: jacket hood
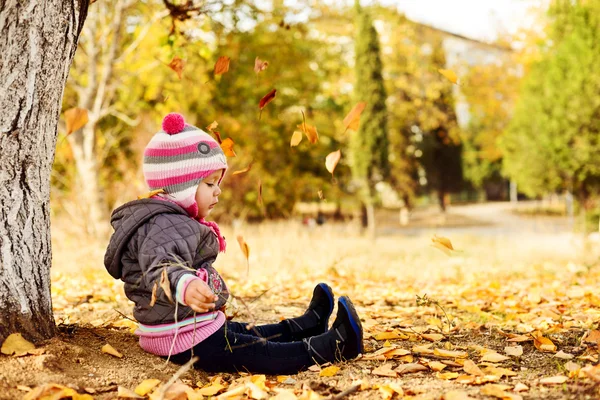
point(126, 220)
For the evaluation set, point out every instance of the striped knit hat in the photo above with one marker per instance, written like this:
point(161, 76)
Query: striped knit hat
point(177, 159)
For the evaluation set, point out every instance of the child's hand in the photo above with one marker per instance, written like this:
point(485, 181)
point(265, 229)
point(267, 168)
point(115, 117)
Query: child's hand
point(199, 296)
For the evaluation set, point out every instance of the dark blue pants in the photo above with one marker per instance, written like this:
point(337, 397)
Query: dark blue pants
point(266, 349)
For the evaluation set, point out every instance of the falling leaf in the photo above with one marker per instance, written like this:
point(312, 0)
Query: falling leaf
point(218, 135)
point(471, 368)
point(310, 131)
point(213, 125)
point(385, 370)
point(514, 351)
point(166, 285)
point(450, 75)
point(320, 194)
point(442, 244)
point(246, 250)
point(17, 345)
point(494, 357)
point(146, 386)
point(151, 193)
point(352, 120)
point(329, 371)
point(153, 298)
point(260, 65)
point(75, 119)
point(108, 349)
point(260, 199)
point(409, 368)
point(243, 171)
point(296, 138)
point(542, 343)
point(222, 65)
point(332, 160)
point(124, 393)
point(176, 65)
point(227, 147)
point(266, 100)
point(554, 380)
point(436, 366)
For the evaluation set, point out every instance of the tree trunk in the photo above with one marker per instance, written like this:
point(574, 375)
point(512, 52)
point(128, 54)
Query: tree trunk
point(37, 43)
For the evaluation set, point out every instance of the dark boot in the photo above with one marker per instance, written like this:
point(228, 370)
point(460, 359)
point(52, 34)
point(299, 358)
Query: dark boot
point(343, 341)
point(315, 320)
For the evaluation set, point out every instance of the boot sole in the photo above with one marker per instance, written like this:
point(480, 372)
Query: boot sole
point(356, 326)
point(327, 289)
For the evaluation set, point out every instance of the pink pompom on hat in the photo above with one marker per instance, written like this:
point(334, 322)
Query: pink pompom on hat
point(177, 159)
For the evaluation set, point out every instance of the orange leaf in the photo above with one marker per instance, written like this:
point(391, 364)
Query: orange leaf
point(471, 368)
point(267, 98)
point(352, 120)
point(245, 249)
point(75, 119)
point(310, 132)
point(222, 65)
point(227, 147)
point(218, 135)
point(542, 343)
point(213, 125)
point(176, 65)
point(243, 171)
point(332, 159)
point(450, 75)
point(296, 138)
point(259, 65)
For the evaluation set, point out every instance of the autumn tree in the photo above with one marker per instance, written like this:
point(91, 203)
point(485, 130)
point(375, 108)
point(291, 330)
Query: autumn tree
point(369, 146)
point(37, 42)
point(552, 141)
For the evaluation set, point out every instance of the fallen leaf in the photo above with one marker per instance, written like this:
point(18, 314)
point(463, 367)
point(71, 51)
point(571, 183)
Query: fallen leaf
point(227, 147)
point(447, 376)
point(385, 370)
point(352, 120)
point(456, 395)
point(165, 284)
point(75, 119)
point(494, 357)
point(108, 349)
point(496, 390)
point(296, 138)
point(520, 338)
point(450, 75)
point(471, 368)
point(436, 366)
point(514, 351)
point(124, 393)
point(329, 371)
point(23, 388)
point(177, 65)
point(433, 337)
point(243, 171)
point(593, 337)
point(260, 65)
point(391, 335)
point(554, 380)
point(499, 372)
point(592, 372)
point(572, 366)
point(222, 65)
point(146, 386)
point(565, 356)
point(213, 125)
point(543, 343)
point(331, 161)
point(520, 387)
point(266, 100)
point(409, 368)
point(450, 353)
point(212, 388)
point(16, 344)
point(442, 244)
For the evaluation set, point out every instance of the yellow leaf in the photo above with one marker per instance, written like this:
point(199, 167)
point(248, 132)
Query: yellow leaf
point(329, 371)
point(244, 246)
point(495, 390)
point(542, 343)
point(433, 337)
point(296, 138)
point(352, 120)
point(450, 353)
point(442, 244)
point(520, 387)
point(146, 386)
point(310, 131)
point(222, 65)
point(554, 380)
point(213, 125)
point(75, 118)
point(127, 394)
point(17, 345)
point(494, 357)
point(385, 370)
point(151, 194)
point(450, 75)
point(456, 395)
point(108, 349)
point(211, 389)
point(227, 147)
point(471, 368)
point(332, 159)
point(390, 336)
point(234, 392)
point(447, 375)
point(436, 366)
point(409, 368)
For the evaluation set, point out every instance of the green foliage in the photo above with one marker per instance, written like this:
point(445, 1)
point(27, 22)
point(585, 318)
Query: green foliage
point(553, 139)
point(369, 146)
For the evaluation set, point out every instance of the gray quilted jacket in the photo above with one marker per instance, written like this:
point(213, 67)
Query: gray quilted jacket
point(152, 236)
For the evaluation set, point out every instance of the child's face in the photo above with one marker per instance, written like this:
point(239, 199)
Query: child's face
point(207, 194)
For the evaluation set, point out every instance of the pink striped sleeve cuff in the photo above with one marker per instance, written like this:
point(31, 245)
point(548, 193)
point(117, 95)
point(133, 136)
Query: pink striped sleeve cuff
point(182, 285)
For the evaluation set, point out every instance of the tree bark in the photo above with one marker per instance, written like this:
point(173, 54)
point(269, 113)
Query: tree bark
point(37, 43)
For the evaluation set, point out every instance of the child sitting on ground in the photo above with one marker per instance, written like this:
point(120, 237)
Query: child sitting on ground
point(163, 249)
